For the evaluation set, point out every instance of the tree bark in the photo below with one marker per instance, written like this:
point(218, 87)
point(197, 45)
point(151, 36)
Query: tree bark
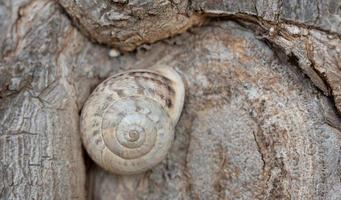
point(307, 31)
point(253, 127)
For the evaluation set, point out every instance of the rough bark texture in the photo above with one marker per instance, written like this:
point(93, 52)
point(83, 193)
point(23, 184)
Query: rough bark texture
point(324, 15)
point(308, 31)
point(253, 126)
point(40, 149)
point(127, 24)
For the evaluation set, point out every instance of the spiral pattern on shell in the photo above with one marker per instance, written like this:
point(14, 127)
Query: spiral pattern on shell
point(127, 123)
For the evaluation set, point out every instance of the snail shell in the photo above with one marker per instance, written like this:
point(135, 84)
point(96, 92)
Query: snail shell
point(127, 123)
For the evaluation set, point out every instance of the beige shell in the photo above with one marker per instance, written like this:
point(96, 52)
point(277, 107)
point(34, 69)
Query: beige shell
point(127, 123)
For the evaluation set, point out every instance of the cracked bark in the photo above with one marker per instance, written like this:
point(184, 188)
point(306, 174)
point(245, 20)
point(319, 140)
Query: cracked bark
point(253, 127)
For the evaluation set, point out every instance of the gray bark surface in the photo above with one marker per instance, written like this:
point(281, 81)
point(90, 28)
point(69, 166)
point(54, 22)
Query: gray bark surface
point(308, 31)
point(128, 24)
point(40, 148)
point(324, 15)
point(253, 127)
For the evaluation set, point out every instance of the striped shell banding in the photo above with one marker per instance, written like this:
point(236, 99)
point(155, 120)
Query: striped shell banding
point(127, 123)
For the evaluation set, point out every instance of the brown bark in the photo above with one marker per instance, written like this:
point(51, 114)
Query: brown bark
point(127, 24)
point(253, 126)
point(40, 149)
point(308, 31)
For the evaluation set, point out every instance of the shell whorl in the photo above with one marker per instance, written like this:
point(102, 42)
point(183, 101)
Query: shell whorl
point(127, 123)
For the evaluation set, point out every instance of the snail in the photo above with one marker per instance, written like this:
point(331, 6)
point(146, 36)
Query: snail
point(127, 123)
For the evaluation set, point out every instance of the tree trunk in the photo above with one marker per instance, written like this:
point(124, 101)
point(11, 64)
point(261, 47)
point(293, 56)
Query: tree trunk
point(261, 117)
